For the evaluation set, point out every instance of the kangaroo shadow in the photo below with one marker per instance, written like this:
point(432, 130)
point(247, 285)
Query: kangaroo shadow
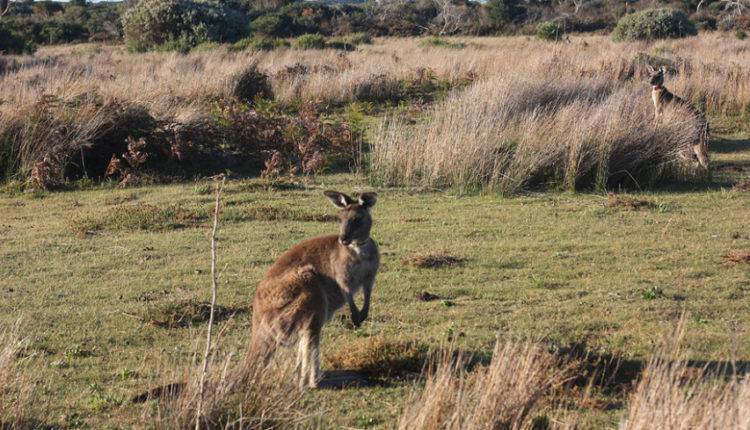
point(729, 146)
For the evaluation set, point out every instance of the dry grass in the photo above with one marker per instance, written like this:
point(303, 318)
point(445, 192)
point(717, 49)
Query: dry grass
point(509, 133)
point(379, 357)
point(186, 313)
point(16, 389)
point(571, 114)
point(140, 216)
point(431, 261)
point(503, 395)
point(742, 186)
point(671, 395)
point(249, 397)
point(736, 257)
point(627, 202)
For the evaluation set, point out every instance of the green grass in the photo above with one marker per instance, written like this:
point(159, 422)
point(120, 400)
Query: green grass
point(565, 268)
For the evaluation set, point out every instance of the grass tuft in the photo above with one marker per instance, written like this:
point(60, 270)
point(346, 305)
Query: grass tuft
point(628, 202)
point(140, 216)
point(379, 357)
point(187, 313)
point(742, 186)
point(736, 257)
point(265, 212)
point(433, 261)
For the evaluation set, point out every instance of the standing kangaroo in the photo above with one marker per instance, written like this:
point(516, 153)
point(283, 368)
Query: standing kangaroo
point(307, 284)
point(662, 97)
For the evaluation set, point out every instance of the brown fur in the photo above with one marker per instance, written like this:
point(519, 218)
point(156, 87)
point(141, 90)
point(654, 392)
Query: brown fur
point(306, 285)
point(663, 98)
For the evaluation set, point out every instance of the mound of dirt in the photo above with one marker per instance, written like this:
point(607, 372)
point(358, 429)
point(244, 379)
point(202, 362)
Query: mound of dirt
point(431, 261)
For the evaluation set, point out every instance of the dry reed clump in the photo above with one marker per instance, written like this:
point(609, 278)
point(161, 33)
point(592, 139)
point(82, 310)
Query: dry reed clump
point(379, 357)
point(431, 261)
point(736, 257)
point(502, 395)
point(511, 133)
point(671, 396)
point(16, 389)
point(247, 397)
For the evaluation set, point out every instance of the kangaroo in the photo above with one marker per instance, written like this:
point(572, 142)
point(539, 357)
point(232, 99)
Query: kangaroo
point(308, 283)
point(662, 97)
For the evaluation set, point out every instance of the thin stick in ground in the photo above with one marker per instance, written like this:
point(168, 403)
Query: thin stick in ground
point(201, 388)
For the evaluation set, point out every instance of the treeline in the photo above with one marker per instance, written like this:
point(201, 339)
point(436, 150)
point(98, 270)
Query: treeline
point(151, 24)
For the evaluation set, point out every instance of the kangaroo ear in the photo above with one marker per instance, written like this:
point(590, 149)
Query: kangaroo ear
point(340, 200)
point(368, 200)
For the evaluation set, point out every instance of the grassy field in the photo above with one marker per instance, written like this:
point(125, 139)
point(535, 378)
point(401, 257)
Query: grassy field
point(93, 273)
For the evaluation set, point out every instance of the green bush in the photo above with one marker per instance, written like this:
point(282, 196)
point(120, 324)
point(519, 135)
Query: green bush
point(739, 34)
point(268, 25)
point(550, 30)
point(14, 43)
point(58, 31)
point(260, 44)
point(158, 23)
point(441, 43)
point(359, 39)
point(310, 41)
point(652, 24)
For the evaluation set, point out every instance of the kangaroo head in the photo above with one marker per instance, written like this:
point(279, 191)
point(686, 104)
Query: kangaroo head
point(354, 216)
point(656, 76)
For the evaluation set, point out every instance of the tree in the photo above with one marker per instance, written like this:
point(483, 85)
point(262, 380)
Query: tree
point(504, 11)
point(451, 17)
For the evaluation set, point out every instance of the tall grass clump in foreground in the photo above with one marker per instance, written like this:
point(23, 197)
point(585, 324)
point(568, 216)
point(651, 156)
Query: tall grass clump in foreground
point(671, 396)
point(503, 394)
point(16, 390)
point(509, 133)
point(249, 397)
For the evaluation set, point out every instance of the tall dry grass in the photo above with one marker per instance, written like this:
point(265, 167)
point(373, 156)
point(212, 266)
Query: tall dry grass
point(673, 395)
point(246, 397)
point(507, 133)
point(65, 96)
point(503, 395)
point(16, 388)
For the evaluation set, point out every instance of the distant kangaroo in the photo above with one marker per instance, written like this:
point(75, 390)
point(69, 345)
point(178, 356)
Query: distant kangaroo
point(307, 284)
point(662, 97)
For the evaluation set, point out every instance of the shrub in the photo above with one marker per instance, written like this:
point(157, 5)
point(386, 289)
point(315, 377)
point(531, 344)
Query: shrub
point(741, 35)
point(441, 43)
point(14, 43)
point(59, 31)
point(260, 44)
point(151, 23)
point(310, 41)
point(359, 39)
point(502, 12)
point(549, 30)
point(250, 84)
point(652, 24)
point(269, 25)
